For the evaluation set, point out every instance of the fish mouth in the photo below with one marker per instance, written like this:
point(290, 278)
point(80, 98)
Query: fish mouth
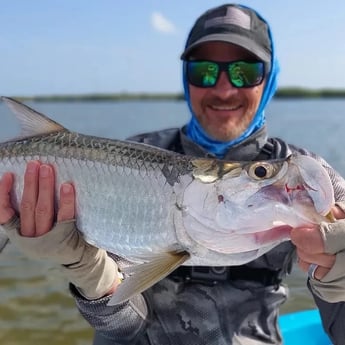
point(316, 181)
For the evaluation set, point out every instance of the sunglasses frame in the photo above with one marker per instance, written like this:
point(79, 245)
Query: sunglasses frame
point(225, 66)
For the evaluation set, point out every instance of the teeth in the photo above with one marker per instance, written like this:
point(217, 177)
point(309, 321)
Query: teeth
point(227, 108)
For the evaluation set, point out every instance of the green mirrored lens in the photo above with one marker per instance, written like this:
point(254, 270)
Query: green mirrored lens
point(240, 73)
point(246, 74)
point(202, 73)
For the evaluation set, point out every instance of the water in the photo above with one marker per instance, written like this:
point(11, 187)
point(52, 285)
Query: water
point(35, 306)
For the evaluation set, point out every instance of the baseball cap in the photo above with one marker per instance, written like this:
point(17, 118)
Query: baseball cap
point(233, 24)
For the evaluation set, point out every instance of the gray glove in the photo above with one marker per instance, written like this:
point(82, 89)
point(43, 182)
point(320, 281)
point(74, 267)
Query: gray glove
point(331, 287)
point(89, 268)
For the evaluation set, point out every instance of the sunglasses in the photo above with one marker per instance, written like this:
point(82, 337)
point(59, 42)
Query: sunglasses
point(241, 74)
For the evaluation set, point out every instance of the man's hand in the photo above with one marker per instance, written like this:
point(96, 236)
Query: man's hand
point(323, 247)
point(311, 248)
point(37, 210)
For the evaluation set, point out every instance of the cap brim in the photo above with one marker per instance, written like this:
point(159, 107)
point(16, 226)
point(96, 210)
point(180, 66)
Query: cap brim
point(241, 41)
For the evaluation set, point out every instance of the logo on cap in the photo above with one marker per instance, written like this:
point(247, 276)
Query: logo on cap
point(234, 16)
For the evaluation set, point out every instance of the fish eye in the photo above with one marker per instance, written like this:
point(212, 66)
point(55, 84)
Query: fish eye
point(261, 170)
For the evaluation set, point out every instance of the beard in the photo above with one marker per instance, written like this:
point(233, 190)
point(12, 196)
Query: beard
point(225, 120)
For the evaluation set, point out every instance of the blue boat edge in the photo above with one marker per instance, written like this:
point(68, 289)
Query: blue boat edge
point(303, 327)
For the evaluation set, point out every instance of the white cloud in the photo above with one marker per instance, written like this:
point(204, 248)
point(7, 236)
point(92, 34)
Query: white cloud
point(162, 24)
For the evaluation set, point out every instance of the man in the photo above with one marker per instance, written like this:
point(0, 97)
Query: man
point(230, 74)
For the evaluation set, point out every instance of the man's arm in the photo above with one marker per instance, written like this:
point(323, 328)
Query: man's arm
point(123, 323)
point(333, 318)
point(324, 245)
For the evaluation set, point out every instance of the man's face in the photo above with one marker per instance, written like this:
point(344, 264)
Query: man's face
point(224, 111)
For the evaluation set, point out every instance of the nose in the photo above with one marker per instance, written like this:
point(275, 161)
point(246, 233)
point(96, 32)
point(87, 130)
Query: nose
point(224, 88)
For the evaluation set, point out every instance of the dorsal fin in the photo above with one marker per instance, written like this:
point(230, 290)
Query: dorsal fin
point(31, 122)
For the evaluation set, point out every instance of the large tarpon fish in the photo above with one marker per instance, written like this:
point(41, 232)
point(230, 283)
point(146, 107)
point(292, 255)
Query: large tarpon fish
point(159, 209)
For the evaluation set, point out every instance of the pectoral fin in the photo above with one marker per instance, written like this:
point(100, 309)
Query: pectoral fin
point(143, 276)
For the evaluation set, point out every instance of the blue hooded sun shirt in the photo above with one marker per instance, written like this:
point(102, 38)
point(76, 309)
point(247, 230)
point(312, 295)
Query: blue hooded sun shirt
point(196, 133)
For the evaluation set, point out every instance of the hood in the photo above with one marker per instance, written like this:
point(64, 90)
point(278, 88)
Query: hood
point(219, 148)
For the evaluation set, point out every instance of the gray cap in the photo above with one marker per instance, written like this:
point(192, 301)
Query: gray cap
point(232, 24)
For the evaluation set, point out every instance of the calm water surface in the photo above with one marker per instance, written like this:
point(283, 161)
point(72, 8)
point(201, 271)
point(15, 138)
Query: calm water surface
point(35, 307)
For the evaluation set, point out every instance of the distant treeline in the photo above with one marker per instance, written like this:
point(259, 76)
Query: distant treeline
point(295, 92)
point(289, 92)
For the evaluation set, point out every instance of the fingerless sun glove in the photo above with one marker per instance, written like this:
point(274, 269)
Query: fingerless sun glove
point(89, 268)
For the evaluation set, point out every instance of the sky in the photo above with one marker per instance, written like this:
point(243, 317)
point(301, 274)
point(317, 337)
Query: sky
point(111, 46)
